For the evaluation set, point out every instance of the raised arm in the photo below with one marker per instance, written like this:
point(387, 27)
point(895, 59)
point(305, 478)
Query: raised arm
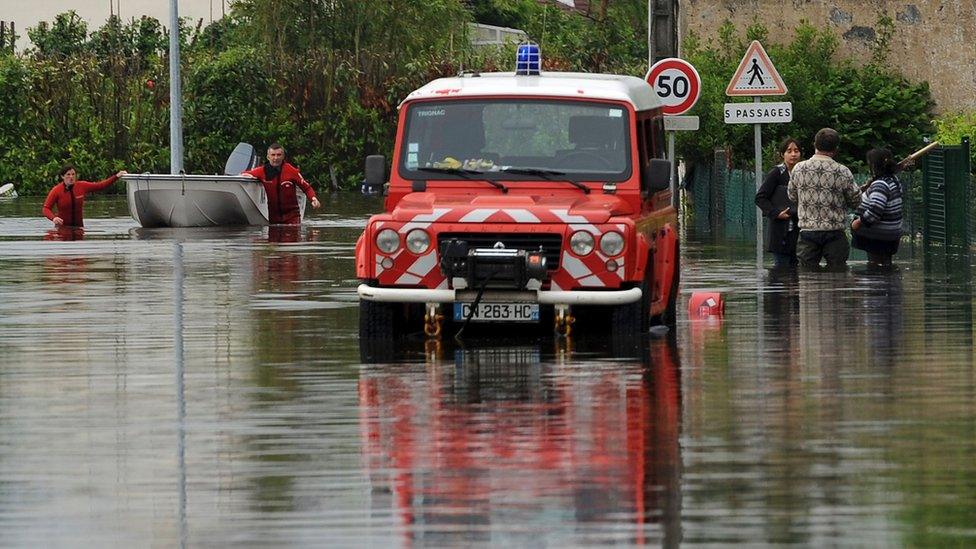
point(103, 184)
point(254, 173)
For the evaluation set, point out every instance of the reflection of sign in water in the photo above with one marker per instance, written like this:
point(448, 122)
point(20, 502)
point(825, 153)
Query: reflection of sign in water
point(756, 75)
point(505, 356)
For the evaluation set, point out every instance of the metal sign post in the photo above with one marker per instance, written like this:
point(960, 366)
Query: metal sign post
point(756, 76)
point(175, 92)
point(757, 136)
point(677, 84)
point(672, 125)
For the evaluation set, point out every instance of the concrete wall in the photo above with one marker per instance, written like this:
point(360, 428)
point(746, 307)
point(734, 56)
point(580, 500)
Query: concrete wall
point(934, 40)
point(95, 12)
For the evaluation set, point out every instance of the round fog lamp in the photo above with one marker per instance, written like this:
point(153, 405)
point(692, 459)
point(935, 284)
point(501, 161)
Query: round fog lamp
point(387, 241)
point(418, 241)
point(581, 243)
point(612, 243)
point(612, 266)
point(387, 263)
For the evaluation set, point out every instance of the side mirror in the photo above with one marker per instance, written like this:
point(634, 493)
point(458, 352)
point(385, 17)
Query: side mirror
point(657, 176)
point(375, 170)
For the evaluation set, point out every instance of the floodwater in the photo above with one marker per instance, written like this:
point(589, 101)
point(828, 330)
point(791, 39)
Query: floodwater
point(205, 388)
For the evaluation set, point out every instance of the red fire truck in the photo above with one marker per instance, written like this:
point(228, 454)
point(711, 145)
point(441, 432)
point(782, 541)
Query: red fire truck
point(522, 197)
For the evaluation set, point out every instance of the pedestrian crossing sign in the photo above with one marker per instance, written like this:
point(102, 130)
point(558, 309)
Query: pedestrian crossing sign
point(756, 75)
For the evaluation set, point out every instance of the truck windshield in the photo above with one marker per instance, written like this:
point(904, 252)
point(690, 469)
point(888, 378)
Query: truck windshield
point(517, 140)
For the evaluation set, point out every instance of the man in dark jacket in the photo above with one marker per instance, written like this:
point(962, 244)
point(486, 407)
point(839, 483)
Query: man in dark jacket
point(280, 179)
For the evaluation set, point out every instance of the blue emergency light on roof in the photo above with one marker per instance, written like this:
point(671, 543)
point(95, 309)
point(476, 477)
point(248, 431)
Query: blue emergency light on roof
point(528, 59)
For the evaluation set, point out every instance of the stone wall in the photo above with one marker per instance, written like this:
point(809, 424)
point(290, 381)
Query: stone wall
point(934, 40)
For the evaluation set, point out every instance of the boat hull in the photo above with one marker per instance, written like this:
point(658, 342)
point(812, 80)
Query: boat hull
point(160, 200)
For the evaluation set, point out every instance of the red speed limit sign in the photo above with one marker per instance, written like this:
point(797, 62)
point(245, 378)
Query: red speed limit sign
point(676, 83)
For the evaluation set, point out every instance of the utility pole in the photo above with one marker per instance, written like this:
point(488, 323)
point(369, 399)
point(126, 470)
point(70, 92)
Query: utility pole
point(175, 92)
point(650, 34)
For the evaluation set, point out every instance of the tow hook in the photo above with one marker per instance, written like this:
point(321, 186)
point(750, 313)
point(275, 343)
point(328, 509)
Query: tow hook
point(564, 321)
point(432, 351)
point(433, 321)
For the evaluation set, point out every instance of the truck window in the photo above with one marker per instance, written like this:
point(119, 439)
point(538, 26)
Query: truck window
point(582, 140)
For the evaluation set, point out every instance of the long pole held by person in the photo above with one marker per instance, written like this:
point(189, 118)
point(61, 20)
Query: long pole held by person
point(175, 92)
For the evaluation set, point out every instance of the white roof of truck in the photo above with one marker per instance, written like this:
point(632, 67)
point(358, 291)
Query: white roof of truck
point(577, 85)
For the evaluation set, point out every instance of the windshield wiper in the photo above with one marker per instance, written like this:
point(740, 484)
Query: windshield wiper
point(547, 174)
point(465, 173)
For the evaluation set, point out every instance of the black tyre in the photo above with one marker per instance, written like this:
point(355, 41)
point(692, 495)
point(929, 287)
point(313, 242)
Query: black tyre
point(377, 321)
point(632, 319)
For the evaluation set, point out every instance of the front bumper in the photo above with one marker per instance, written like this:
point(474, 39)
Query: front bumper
point(544, 297)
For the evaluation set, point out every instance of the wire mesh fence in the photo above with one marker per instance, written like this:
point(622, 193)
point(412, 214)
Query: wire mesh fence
point(938, 199)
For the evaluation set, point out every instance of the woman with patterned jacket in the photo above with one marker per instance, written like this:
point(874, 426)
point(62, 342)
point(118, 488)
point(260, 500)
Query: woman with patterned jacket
point(877, 229)
point(781, 211)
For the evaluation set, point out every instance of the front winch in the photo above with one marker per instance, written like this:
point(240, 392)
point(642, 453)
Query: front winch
point(493, 268)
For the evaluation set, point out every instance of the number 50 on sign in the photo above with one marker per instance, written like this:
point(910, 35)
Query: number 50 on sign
point(676, 84)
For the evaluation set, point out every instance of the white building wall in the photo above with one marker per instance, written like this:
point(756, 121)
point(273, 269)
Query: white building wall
point(95, 12)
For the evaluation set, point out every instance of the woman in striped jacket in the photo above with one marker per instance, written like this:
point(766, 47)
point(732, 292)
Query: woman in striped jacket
point(877, 229)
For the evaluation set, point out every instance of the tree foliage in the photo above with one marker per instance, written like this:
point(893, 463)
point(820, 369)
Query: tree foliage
point(324, 77)
point(952, 127)
point(870, 106)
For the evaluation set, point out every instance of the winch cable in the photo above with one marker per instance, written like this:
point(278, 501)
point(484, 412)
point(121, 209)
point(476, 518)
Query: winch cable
point(474, 306)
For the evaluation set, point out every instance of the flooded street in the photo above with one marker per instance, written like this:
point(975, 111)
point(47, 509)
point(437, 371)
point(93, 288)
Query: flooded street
point(823, 409)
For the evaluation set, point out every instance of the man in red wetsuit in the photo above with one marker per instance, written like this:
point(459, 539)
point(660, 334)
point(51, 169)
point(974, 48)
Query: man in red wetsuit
point(280, 178)
point(68, 197)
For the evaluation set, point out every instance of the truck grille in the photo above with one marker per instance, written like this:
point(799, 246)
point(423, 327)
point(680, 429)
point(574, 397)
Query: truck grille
point(550, 244)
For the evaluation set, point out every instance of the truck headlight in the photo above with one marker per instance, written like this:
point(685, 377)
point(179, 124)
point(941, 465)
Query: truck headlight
point(612, 243)
point(387, 241)
point(418, 241)
point(581, 242)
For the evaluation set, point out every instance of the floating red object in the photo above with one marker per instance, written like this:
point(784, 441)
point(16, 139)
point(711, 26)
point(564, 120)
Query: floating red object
point(705, 305)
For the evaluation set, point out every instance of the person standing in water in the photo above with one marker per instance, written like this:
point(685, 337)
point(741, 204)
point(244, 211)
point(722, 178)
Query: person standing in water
point(68, 197)
point(877, 228)
point(772, 199)
point(280, 179)
point(823, 190)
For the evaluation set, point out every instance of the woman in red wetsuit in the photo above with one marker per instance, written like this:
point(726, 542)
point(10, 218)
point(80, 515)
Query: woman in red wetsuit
point(280, 179)
point(68, 197)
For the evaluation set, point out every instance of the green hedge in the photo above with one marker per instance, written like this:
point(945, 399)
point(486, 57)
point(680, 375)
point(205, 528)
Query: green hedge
point(325, 79)
point(870, 105)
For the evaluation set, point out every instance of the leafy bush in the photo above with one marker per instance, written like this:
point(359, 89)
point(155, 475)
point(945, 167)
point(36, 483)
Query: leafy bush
point(325, 79)
point(869, 106)
point(952, 127)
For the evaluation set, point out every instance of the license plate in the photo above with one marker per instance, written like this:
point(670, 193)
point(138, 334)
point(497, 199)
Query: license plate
point(498, 312)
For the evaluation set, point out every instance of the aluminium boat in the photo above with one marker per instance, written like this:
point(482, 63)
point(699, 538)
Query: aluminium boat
point(181, 200)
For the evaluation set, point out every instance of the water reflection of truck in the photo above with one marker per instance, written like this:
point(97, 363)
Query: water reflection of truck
point(522, 198)
point(508, 446)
